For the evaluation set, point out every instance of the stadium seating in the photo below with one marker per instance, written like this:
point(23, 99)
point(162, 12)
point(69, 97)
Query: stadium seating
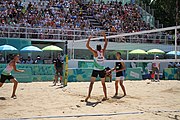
point(67, 20)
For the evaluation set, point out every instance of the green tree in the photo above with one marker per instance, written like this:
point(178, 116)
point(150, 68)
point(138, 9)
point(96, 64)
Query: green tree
point(165, 11)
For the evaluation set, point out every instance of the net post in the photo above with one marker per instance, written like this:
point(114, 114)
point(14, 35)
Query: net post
point(65, 73)
point(127, 55)
point(176, 30)
point(176, 44)
point(73, 45)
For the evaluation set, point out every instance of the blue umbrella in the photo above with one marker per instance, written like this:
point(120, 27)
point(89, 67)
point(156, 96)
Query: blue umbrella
point(7, 48)
point(173, 53)
point(31, 49)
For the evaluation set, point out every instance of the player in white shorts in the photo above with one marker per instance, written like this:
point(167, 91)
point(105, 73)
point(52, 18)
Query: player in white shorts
point(119, 69)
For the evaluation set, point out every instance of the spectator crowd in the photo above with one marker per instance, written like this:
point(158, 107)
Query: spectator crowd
point(56, 19)
point(52, 14)
point(68, 14)
point(125, 18)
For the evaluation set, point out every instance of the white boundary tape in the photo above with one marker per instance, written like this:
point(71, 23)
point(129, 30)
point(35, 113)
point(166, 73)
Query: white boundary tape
point(90, 115)
point(69, 116)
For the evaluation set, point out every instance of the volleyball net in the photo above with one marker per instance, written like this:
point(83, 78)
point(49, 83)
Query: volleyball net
point(162, 44)
point(164, 41)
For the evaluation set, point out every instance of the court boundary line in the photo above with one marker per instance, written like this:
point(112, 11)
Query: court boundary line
point(75, 116)
point(90, 115)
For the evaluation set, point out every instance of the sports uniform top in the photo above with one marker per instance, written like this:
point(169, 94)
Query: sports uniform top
point(7, 70)
point(118, 67)
point(58, 62)
point(99, 61)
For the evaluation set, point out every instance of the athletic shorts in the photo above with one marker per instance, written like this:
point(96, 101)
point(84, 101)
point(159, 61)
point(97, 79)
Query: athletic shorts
point(5, 77)
point(120, 78)
point(101, 73)
point(59, 72)
point(155, 69)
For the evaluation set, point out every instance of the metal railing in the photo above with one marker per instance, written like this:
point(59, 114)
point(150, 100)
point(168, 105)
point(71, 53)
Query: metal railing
point(66, 34)
point(45, 33)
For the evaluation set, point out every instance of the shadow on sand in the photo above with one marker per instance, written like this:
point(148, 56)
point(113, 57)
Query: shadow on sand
point(60, 87)
point(117, 97)
point(92, 104)
point(2, 98)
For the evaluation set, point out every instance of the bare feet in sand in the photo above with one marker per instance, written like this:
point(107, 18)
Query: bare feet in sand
point(115, 95)
point(104, 99)
point(124, 95)
point(14, 96)
point(87, 98)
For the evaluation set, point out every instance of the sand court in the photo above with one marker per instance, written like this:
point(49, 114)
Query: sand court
point(145, 100)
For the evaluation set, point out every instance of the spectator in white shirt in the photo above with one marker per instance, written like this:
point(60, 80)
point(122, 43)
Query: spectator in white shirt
point(155, 68)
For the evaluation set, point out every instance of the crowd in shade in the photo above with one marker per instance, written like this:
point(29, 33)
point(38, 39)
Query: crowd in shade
point(29, 60)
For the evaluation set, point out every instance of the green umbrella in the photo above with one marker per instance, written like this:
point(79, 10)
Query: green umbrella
point(52, 48)
point(155, 51)
point(138, 51)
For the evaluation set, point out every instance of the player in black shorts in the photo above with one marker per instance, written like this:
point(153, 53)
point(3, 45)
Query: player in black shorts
point(99, 68)
point(6, 74)
point(58, 65)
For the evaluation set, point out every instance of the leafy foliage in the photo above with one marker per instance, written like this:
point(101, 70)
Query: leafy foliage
point(165, 11)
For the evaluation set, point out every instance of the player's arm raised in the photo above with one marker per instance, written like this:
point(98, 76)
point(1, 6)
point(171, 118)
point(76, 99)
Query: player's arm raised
point(105, 40)
point(88, 46)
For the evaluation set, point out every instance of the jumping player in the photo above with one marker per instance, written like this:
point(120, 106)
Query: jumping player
point(99, 68)
point(6, 74)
